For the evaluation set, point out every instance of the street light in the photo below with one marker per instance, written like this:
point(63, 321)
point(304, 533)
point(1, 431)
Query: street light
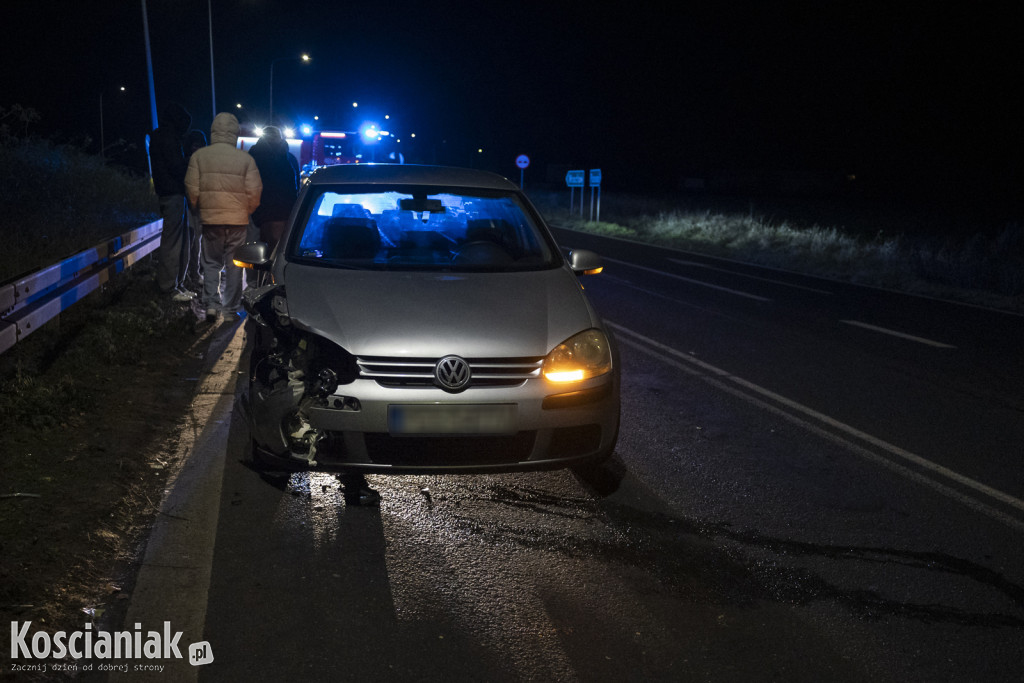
point(213, 86)
point(303, 58)
point(103, 146)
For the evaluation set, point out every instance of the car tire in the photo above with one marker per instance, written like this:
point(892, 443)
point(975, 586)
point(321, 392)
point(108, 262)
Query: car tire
point(599, 467)
point(605, 455)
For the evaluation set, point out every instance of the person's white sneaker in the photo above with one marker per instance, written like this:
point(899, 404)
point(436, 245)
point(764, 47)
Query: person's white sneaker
point(180, 295)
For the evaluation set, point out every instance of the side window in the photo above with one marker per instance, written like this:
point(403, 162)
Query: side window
point(313, 233)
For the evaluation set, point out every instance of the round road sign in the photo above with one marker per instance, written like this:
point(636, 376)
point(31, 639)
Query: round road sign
point(522, 161)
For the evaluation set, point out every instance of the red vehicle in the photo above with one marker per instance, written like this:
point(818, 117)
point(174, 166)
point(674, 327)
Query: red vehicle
point(299, 148)
point(334, 147)
point(369, 144)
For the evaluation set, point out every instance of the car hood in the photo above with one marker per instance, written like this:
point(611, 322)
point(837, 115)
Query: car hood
point(428, 315)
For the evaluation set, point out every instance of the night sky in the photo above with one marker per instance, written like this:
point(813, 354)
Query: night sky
point(904, 96)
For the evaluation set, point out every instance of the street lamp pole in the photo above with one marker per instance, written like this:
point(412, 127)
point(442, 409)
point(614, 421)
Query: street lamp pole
point(149, 68)
point(304, 58)
point(213, 87)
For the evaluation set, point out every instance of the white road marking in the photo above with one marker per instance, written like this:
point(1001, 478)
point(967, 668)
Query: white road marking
point(717, 375)
point(690, 280)
point(696, 264)
point(901, 335)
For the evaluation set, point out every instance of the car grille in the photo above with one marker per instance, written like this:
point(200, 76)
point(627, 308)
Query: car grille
point(419, 372)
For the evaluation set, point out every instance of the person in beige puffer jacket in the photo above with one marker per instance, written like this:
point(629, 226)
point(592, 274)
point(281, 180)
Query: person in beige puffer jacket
point(224, 184)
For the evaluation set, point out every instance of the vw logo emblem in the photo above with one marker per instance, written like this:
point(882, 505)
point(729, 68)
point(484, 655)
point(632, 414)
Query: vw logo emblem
point(452, 373)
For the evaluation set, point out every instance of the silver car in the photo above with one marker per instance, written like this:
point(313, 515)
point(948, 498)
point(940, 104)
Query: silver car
point(422, 319)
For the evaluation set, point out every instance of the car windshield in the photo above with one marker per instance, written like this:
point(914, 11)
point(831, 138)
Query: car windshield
point(417, 228)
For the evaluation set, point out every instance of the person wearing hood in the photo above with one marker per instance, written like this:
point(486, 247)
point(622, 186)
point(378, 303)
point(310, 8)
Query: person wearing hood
point(279, 171)
point(168, 163)
point(224, 184)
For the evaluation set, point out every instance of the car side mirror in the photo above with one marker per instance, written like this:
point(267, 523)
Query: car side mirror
point(253, 255)
point(585, 262)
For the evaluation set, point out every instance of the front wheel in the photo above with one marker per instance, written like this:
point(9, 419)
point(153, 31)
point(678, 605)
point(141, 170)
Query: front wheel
point(597, 462)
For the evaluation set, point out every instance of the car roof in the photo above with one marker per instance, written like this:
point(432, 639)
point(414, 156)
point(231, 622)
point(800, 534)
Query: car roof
point(410, 174)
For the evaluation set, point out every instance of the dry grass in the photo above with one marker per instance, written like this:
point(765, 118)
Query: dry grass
point(83, 433)
point(57, 200)
point(985, 269)
point(90, 410)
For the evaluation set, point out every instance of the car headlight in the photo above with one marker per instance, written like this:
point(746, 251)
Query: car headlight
point(579, 357)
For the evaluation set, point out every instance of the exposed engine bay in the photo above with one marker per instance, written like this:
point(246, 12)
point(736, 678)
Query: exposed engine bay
point(291, 371)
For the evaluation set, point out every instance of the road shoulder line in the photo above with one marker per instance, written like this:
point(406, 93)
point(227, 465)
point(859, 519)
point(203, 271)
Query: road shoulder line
point(689, 280)
point(734, 273)
point(173, 580)
point(716, 375)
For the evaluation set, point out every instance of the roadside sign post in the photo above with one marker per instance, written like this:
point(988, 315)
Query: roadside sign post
point(574, 179)
point(595, 182)
point(522, 161)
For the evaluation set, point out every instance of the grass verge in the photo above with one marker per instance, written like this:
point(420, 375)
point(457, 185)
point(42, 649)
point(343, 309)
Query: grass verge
point(56, 200)
point(985, 268)
point(91, 404)
point(90, 409)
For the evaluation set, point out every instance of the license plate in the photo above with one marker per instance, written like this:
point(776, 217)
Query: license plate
point(452, 419)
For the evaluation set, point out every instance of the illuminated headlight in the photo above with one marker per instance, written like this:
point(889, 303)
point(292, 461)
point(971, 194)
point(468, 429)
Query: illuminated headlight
point(579, 357)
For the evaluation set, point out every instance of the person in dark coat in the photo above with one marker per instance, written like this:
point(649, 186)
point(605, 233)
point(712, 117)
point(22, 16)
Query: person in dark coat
point(280, 173)
point(168, 164)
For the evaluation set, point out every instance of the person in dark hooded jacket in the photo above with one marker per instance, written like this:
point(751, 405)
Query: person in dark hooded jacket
point(279, 171)
point(167, 160)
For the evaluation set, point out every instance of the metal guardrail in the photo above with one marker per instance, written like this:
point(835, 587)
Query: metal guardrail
point(29, 301)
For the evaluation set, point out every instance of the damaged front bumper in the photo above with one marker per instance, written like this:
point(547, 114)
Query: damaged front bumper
point(307, 406)
point(348, 433)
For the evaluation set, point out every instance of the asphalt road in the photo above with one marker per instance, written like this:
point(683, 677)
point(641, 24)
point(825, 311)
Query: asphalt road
point(813, 482)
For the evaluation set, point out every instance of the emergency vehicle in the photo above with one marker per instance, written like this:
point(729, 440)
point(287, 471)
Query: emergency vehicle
point(332, 147)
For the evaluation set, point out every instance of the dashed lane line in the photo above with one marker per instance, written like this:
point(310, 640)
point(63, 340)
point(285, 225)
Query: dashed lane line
point(894, 333)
